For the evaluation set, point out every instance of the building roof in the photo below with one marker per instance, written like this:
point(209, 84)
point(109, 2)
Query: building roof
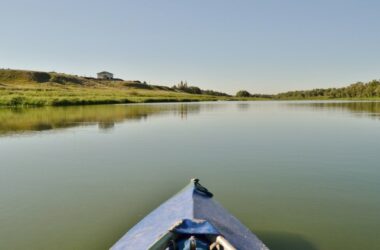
point(104, 72)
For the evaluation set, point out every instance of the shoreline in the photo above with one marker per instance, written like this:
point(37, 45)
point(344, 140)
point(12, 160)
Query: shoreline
point(20, 88)
point(25, 103)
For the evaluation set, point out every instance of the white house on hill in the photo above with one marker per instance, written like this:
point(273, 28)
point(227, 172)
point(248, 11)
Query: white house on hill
point(105, 75)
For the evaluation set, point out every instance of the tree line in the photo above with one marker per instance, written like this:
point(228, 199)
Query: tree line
point(245, 93)
point(356, 90)
point(184, 87)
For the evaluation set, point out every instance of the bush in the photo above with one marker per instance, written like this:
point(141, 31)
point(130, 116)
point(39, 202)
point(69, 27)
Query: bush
point(193, 90)
point(182, 86)
point(213, 93)
point(40, 76)
point(17, 101)
point(62, 79)
point(243, 93)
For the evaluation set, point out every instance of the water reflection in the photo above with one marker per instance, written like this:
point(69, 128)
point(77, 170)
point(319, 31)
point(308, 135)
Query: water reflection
point(243, 106)
point(277, 166)
point(15, 121)
point(359, 109)
point(106, 125)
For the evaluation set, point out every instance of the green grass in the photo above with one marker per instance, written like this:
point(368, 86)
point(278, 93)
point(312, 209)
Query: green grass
point(20, 88)
point(88, 97)
point(27, 88)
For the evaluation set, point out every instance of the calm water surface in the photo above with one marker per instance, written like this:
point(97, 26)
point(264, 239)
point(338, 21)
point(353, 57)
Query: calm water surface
point(302, 175)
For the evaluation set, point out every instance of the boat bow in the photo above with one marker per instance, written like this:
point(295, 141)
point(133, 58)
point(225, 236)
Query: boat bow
point(192, 210)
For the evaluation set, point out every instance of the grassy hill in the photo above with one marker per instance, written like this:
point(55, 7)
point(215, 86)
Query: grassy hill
point(32, 88)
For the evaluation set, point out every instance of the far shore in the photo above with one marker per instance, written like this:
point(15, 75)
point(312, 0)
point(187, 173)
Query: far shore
point(21, 88)
point(25, 101)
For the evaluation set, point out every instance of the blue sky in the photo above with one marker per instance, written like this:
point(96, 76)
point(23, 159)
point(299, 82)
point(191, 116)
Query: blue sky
point(263, 46)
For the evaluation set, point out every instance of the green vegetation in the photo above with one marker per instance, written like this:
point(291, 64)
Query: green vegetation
point(246, 94)
point(31, 88)
point(366, 91)
point(243, 93)
point(358, 90)
point(183, 86)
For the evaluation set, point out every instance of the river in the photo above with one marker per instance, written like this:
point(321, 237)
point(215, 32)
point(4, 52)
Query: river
point(301, 175)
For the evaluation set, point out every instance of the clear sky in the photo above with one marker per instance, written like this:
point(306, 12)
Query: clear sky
point(263, 46)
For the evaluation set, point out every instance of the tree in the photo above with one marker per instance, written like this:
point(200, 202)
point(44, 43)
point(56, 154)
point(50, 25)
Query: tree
point(243, 93)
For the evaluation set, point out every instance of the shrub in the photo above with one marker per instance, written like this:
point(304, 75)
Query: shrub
point(17, 101)
point(243, 93)
point(40, 76)
point(62, 79)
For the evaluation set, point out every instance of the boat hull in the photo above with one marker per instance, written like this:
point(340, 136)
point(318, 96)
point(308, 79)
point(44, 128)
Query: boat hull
point(192, 203)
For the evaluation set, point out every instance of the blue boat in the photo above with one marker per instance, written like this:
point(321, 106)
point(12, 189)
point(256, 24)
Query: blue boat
point(190, 220)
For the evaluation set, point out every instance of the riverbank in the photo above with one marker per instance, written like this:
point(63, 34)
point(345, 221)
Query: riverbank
point(34, 95)
point(27, 88)
point(30, 88)
point(50, 95)
point(20, 88)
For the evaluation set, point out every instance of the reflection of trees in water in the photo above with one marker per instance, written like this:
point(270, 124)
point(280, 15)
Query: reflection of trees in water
point(106, 116)
point(183, 112)
point(106, 125)
point(184, 109)
point(243, 106)
point(359, 109)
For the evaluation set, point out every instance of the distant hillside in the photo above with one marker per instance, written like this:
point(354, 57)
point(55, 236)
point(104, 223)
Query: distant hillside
point(15, 77)
point(34, 88)
point(356, 90)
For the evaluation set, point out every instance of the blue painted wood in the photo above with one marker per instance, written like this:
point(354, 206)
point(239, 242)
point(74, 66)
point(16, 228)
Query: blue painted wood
point(189, 203)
